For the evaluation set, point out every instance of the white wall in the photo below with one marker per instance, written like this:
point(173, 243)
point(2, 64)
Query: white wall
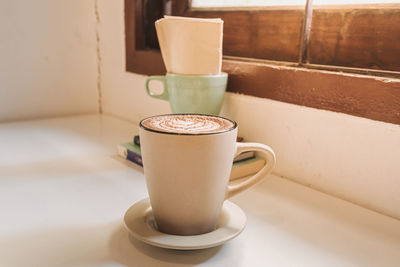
point(48, 58)
point(353, 158)
point(123, 94)
point(350, 157)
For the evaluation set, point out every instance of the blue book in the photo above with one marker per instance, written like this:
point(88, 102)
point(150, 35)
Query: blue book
point(130, 151)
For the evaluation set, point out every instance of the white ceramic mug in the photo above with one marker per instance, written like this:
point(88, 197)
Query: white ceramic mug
point(187, 175)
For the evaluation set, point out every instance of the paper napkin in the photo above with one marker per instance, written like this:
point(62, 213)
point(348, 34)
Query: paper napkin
point(190, 46)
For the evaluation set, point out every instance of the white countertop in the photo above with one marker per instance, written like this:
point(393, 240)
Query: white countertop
point(64, 191)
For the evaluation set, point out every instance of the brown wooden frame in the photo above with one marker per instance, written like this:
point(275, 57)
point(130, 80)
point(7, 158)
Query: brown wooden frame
point(366, 96)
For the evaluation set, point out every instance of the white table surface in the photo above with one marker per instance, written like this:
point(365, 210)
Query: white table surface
point(64, 191)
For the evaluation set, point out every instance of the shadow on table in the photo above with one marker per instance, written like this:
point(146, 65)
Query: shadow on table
point(131, 252)
point(95, 245)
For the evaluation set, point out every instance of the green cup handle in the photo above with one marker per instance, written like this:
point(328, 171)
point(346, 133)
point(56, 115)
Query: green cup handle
point(164, 95)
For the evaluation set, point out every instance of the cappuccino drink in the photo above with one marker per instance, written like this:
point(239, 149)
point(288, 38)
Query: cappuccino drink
point(188, 124)
point(187, 160)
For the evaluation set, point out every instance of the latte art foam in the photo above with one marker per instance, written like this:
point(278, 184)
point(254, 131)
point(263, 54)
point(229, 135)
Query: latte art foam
point(188, 124)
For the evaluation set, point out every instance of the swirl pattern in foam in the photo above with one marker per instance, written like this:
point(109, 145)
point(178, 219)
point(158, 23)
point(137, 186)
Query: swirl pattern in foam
point(188, 124)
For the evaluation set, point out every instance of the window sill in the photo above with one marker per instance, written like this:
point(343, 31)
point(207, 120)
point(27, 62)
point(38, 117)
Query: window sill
point(371, 97)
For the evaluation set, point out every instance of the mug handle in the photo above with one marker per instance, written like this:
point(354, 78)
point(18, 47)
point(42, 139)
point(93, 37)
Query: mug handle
point(164, 95)
point(265, 152)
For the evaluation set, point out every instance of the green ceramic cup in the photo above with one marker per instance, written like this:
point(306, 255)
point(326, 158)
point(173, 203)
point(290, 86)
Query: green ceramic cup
point(200, 94)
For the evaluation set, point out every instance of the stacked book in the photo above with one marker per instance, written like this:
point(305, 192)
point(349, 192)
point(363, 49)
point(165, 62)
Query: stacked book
point(243, 165)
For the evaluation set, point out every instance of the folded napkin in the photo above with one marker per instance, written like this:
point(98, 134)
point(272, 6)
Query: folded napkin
point(190, 46)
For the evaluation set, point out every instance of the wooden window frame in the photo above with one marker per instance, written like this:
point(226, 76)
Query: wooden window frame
point(360, 92)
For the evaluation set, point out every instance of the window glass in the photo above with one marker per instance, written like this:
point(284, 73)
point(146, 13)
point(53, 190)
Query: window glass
point(264, 3)
point(245, 3)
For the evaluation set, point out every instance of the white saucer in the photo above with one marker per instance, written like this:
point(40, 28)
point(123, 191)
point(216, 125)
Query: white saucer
point(140, 223)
